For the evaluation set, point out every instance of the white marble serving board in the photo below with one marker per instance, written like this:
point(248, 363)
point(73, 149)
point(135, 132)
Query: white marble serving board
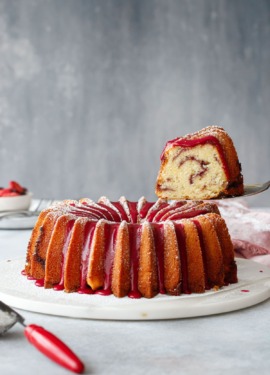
point(16, 290)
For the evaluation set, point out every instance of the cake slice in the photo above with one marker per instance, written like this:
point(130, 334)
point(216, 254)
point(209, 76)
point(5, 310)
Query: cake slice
point(202, 165)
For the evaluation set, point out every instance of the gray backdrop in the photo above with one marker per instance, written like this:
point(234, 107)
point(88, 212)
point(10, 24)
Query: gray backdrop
point(90, 90)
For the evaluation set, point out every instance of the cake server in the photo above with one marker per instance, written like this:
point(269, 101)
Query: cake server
point(255, 188)
point(42, 339)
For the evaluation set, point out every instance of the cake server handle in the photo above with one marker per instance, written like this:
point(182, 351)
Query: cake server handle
point(53, 348)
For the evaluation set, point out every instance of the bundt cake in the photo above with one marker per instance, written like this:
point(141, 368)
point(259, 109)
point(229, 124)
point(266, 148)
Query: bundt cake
point(202, 165)
point(131, 248)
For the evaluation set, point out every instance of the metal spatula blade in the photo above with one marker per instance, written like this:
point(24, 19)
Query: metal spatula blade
point(256, 188)
point(42, 339)
point(8, 317)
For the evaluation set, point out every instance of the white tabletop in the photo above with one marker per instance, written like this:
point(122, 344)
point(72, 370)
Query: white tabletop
point(235, 343)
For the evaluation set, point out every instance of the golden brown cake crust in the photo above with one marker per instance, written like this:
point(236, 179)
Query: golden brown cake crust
point(196, 279)
point(95, 276)
point(121, 266)
point(33, 240)
point(174, 248)
point(38, 259)
point(53, 266)
point(230, 268)
point(211, 249)
point(148, 281)
point(72, 268)
point(172, 261)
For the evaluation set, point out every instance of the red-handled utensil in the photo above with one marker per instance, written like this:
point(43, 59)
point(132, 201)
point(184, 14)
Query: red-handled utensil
point(42, 339)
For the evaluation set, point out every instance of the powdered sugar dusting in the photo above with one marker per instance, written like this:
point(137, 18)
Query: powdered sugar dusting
point(141, 203)
point(124, 203)
point(108, 203)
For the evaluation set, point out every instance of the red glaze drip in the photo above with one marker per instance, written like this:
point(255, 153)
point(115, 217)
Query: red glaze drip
point(187, 214)
point(159, 215)
point(145, 208)
point(135, 295)
point(114, 215)
point(60, 286)
point(122, 212)
point(23, 272)
point(133, 211)
point(97, 212)
point(175, 209)
point(151, 214)
point(85, 291)
point(110, 240)
point(30, 278)
point(85, 213)
point(39, 282)
point(169, 143)
point(200, 233)
point(88, 236)
point(245, 290)
point(103, 292)
point(107, 212)
point(183, 142)
point(135, 232)
point(158, 231)
point(181, 240)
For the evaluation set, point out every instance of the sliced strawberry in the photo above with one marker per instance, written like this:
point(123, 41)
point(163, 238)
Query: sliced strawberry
point(7, 193)
point(16, 187)
point(3, 191)
point(10, 194)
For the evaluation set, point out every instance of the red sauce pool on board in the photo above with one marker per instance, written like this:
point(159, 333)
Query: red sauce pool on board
point(30, 278)
point(103, 292)
point(85, 291)
point(39, 282)
point(58, 287)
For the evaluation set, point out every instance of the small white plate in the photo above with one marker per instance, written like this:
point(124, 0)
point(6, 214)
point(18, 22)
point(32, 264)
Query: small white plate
point(24, 218)
point(16, 203)
point(18, 222)
point(16, 290)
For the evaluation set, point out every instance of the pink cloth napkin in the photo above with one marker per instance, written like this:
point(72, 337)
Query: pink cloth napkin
point(249, 230)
